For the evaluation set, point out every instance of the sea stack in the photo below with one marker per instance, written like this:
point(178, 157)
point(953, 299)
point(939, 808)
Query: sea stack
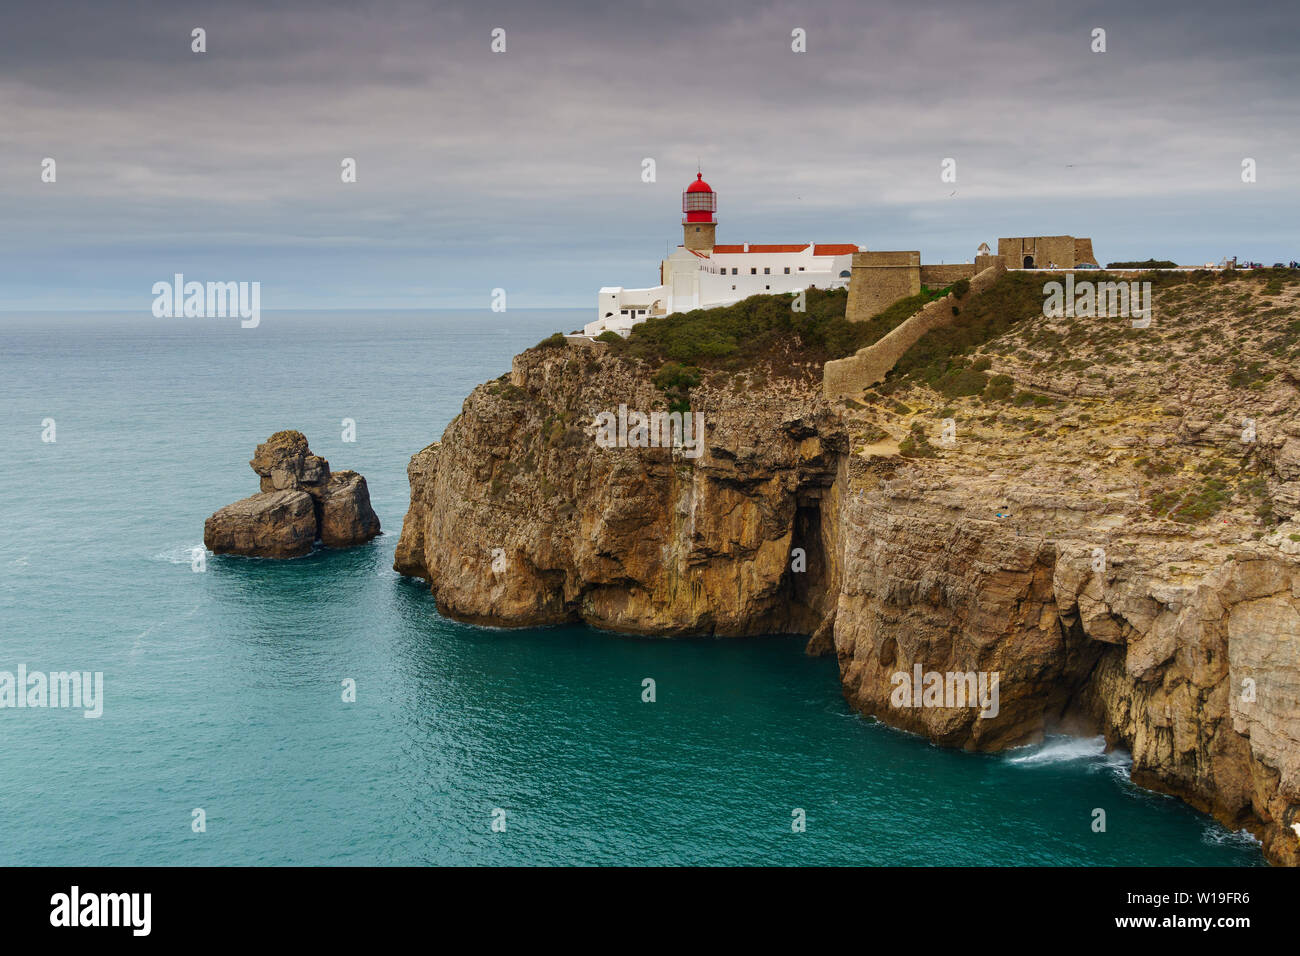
point(300, 503)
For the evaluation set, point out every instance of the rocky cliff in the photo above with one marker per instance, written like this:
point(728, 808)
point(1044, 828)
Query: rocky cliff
point(519, 517)
point(1179, 646)
point(1102, 518)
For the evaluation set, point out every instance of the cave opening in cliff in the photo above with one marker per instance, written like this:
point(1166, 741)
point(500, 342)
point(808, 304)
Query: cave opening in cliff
point(806, 572)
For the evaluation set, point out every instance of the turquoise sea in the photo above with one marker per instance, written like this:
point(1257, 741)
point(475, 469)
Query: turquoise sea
point(223, 688)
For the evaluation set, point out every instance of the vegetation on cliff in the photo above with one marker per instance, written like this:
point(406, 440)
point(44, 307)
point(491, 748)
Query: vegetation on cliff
point(939, 358)
point(1190, 415)
point(943, 358)
point(763, 336)
point(1144, 264)
point(765, 328)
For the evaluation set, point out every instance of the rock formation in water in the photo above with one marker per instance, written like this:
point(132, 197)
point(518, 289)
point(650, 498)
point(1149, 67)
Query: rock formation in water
point(1105, 517)
point(301, 502)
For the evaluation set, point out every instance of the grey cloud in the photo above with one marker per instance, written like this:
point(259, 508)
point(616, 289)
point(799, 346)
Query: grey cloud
point(529, 162)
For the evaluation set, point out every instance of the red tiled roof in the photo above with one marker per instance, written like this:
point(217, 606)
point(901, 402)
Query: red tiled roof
point(819, 249)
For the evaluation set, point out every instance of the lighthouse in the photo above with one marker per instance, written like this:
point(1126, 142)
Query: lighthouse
point(699, 274)
point(699, 203)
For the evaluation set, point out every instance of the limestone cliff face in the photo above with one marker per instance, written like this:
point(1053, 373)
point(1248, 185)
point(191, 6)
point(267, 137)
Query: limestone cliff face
point(1157, 647)
point(519, 517)
point(1202, 684)
point(1114, 529)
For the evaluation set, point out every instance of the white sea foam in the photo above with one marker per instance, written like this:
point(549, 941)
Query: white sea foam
point(183, 554)
point(1217, 835)
point(1068, 750)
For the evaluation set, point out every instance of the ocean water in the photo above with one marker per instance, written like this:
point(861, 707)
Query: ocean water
point(223, 688)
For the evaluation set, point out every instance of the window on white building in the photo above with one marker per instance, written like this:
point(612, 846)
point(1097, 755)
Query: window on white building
point(753, 272)
point(801, 268)
point(787, 270)
point(735, 272)
point(767, 272)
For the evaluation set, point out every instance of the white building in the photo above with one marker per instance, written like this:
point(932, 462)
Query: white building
point(702, 274)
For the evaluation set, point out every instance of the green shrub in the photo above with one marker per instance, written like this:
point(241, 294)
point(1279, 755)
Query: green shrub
point(1025, 399)
point(916, 445)
point(1192, 504)
point(957, 382)
point(999, 388)
point(507, 390)
point(1244, 376)
point(556, 341)
point(675, 376)
point(1156, 469)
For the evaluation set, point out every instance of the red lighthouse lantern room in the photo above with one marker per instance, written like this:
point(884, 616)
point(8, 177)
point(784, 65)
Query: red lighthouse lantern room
point(699, 202)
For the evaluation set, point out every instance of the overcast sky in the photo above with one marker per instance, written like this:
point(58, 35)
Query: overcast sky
point(522, 170)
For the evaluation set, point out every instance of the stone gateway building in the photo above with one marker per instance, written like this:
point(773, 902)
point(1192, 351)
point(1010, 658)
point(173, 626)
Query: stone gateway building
point(1045, 252)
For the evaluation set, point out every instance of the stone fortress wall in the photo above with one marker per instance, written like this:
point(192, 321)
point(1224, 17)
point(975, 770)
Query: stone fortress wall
point(936, 276)
point(879, 279)
point(847, 377)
